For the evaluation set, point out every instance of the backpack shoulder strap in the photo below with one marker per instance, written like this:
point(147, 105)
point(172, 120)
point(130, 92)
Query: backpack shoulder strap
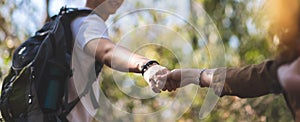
point(67, 16)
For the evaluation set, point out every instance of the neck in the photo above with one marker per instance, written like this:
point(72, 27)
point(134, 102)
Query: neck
point(103, 15)
point(100, 12)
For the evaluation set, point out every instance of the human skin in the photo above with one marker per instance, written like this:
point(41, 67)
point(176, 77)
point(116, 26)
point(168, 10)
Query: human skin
point(116, 56)
point(289, 76)
point(181, 77)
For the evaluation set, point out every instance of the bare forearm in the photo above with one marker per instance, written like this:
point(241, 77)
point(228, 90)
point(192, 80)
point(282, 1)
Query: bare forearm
point(122, 59)
point(114, 56)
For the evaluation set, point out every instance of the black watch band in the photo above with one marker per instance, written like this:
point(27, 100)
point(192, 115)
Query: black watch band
point(147, 65)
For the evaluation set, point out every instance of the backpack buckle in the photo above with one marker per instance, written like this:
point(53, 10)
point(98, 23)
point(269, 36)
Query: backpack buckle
point(65, 9)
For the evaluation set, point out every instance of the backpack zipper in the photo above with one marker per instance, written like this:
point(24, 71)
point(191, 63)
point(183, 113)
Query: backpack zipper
point(32, 77)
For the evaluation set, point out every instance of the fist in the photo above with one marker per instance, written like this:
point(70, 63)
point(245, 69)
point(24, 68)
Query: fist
point(152, 74)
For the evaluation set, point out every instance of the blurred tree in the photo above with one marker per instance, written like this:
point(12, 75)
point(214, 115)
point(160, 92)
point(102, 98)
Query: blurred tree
point(246, 42)
point(18, 20)
point(244, 39)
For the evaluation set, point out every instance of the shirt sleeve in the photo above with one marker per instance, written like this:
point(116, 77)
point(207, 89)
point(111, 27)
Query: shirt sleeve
point(249, 81)
point(92, 27)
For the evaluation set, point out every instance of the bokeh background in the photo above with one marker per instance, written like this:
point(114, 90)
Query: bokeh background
point(240, 23)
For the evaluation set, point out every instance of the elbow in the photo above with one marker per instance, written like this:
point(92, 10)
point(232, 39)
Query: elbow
point(104, 55)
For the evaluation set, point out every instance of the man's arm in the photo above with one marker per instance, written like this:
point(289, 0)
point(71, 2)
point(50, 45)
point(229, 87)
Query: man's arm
point(248, 81)
point(115, 56)
point(122, 59)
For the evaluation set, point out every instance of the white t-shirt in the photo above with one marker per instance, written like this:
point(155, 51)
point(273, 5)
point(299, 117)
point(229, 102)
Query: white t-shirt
point(84, 30)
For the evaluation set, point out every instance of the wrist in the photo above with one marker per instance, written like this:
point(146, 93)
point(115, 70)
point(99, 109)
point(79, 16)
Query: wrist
point(200, 78)
point(147, 65)
point(190, 75)
point(206, 77)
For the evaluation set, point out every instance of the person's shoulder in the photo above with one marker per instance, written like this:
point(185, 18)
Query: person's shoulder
point(94, 18)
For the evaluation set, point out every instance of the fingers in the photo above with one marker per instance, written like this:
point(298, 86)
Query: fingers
point(178, 78)
point(172, 86)
point(165, 82)
point(161, 80)
point(151, 76)
point(154, 87)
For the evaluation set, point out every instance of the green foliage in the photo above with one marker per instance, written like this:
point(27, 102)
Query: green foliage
point(245, 42)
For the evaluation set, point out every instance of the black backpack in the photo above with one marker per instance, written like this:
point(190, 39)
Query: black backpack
point(38, 79)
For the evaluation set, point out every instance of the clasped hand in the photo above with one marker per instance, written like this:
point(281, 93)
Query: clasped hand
point(160, 78)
